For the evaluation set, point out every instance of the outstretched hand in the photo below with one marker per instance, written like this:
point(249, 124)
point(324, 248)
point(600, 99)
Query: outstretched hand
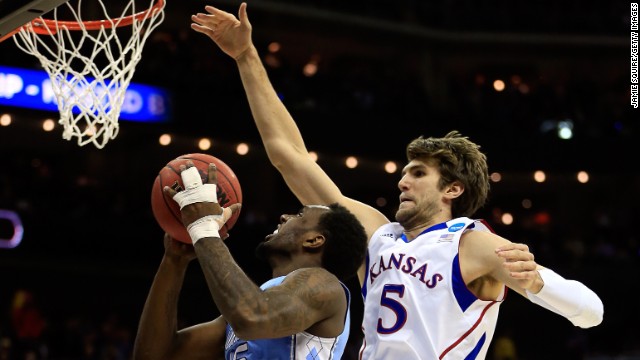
point(233, 36)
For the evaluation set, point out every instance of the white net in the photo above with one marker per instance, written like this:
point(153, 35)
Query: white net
point(90, 64)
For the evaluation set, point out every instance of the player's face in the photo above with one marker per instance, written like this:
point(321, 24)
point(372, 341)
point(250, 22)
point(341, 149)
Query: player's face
point(420, 197)
point(290, 233)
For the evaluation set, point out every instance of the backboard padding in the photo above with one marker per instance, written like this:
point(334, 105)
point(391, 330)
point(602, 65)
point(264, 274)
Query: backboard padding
point(15, 13)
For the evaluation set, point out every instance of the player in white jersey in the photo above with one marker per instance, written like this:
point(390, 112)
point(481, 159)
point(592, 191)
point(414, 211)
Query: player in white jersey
point(419, 287)
point(445, 178)
point(302, 313)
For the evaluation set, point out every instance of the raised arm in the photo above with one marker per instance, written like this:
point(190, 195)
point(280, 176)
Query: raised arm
point(281, 137)
point(158, 336)
point(306, 297)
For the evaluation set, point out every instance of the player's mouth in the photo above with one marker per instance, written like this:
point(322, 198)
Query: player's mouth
point(405, 201)
point(272, 234)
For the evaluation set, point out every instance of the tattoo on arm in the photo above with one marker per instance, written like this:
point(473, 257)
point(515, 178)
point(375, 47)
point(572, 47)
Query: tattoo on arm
point(299, 302)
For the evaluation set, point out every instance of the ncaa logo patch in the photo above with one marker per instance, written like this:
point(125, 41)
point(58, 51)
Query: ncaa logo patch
point(456, 227)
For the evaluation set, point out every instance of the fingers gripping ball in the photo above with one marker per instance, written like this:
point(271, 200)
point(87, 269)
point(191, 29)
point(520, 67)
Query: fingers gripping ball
point(167, 211)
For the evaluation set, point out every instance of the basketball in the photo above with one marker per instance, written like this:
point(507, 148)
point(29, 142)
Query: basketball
point(167, 212)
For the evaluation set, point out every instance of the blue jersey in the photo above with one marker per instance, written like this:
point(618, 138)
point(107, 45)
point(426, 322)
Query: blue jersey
point(302, 346)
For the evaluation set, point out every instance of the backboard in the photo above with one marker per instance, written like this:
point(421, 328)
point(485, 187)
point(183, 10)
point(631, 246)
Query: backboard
point(15, 13)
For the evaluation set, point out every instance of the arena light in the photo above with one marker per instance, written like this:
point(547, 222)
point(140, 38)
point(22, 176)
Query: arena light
point(5, 120)
point(565, 129)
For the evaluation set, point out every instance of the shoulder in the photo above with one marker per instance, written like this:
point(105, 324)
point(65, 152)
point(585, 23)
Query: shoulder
point(481, 225)
point(393, 229)
point(478, 252)
point(318, 289)
point(316, 283)
point(479, 238)
point(321, 297)
point(312, 277)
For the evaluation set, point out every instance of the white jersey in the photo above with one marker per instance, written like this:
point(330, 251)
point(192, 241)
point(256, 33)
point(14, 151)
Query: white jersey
point(303, 346)
point(417, 304)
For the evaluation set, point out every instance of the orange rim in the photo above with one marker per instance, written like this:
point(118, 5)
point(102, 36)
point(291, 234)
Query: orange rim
point(9, 34)
point(46, 26)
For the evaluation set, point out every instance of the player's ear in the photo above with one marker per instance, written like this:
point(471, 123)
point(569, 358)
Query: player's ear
point(314, 241)
point(454, 190)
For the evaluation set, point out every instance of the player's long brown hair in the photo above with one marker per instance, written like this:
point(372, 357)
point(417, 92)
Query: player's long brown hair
point(458, 159)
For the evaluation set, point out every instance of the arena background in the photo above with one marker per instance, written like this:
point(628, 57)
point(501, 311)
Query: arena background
point(387, 72)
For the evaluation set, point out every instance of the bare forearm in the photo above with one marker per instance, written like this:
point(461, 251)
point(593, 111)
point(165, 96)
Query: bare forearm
point(271, 116)
point(282, 138)
point(158, 323)
point(235, 295)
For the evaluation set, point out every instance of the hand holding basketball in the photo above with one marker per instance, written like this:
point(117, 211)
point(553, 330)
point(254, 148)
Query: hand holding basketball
point(227, 193)
point(198, 202)
point(178, 250)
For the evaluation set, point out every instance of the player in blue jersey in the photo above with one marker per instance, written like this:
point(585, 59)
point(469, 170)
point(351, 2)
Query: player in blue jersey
point(301, 313)
point(434, 279)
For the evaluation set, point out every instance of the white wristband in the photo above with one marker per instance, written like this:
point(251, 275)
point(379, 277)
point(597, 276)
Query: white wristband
point(568, 298)
point(204, 227)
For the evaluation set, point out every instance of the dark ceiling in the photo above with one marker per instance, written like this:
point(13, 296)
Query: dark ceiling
point(394, 72)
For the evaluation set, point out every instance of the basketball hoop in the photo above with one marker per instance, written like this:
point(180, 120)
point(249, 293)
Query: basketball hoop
point(89, 94)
